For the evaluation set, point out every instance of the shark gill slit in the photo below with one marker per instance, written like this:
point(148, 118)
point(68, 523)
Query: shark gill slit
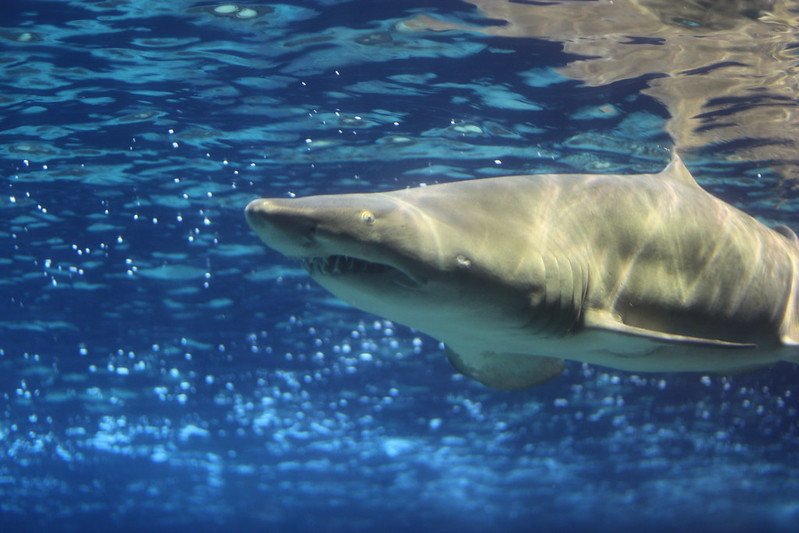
point(580, 294)
point(564, 295)
point(563, 276)
point(570, 287)
point(544, 315)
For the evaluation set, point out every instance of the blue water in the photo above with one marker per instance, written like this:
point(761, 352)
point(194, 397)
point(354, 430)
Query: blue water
point(160, 368)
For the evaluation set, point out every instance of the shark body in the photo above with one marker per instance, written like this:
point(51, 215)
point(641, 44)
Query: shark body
point(515, 274)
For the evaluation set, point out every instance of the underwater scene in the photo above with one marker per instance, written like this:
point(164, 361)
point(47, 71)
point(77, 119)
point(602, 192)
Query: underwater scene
point(162, 369)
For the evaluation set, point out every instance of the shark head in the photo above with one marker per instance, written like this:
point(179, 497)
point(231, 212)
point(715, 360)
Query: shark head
point(363, 241)
point(422, 257)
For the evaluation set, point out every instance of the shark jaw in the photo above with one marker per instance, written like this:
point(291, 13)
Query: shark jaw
point(355, 270)
point(332, 247)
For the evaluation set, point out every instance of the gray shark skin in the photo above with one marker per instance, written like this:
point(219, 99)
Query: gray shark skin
point(515, 274)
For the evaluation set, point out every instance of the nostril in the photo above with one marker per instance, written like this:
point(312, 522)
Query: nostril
point(285, 225)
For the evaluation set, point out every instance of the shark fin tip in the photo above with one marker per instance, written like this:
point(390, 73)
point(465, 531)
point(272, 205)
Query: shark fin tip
point(677, 170)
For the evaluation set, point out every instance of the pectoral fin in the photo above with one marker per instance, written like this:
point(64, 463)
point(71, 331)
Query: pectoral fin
point(607, 321)
point(505, 371)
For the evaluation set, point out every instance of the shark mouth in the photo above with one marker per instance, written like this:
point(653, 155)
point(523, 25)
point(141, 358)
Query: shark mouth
point(343, 264)
point(334, 265)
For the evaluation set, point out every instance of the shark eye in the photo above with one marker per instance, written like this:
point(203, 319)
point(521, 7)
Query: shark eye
point(367, 217)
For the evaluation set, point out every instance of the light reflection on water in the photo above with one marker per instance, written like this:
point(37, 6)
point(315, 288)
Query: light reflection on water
point(726, 71)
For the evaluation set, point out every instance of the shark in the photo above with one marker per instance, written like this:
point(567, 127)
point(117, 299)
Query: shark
point(516, 274)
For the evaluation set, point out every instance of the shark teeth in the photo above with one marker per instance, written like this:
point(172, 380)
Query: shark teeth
point(343, 264)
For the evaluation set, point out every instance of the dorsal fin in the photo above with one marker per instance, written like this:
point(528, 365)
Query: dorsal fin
point(677, 170)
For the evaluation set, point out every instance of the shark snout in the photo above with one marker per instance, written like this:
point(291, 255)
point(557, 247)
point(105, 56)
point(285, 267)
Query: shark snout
point(281, 226)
